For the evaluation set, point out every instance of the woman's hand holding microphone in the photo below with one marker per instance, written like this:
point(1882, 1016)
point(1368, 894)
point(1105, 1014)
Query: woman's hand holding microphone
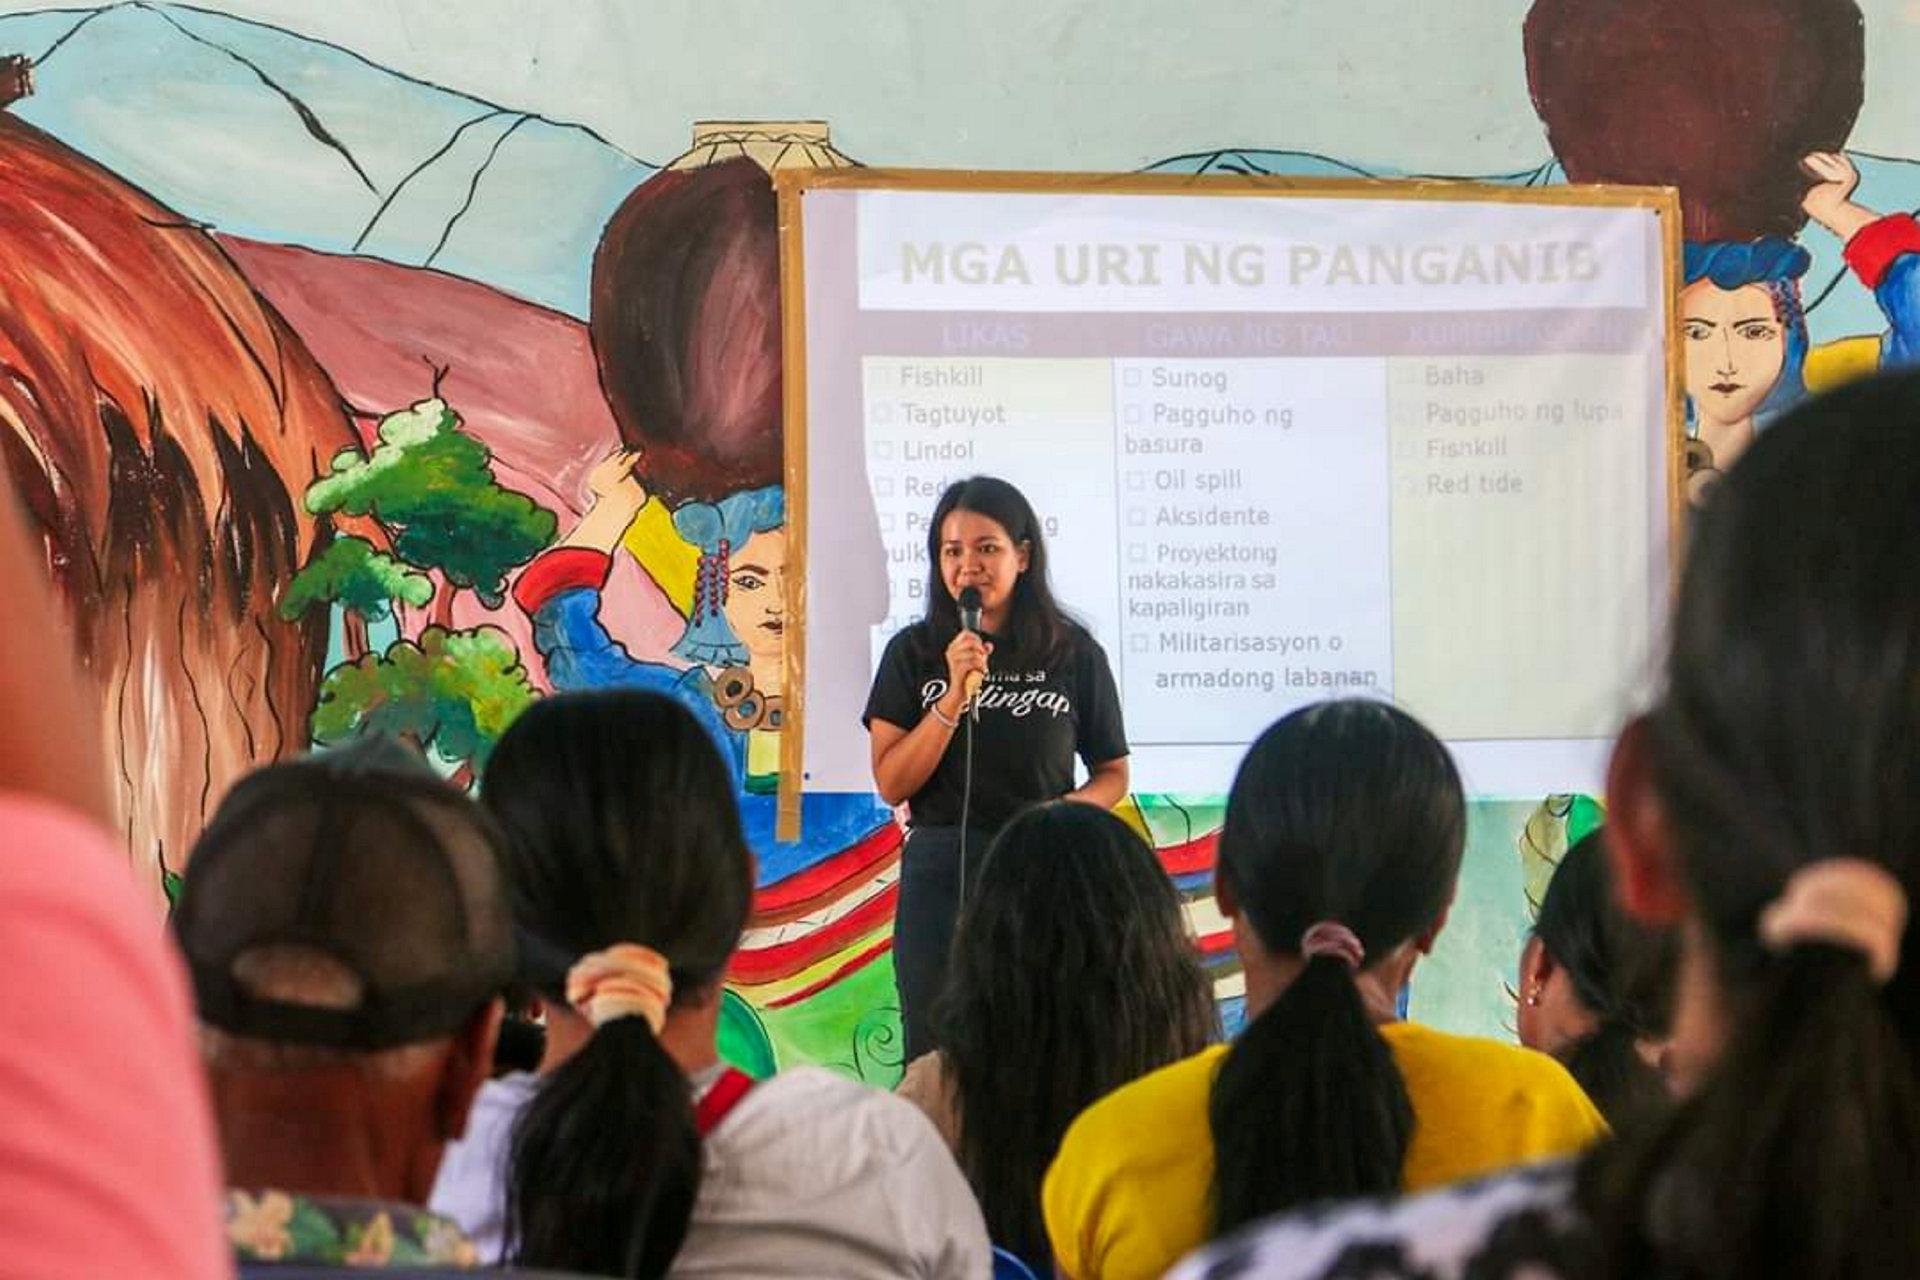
point(967, 656)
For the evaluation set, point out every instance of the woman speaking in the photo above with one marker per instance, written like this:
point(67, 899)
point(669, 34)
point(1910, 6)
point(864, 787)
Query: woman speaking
point(1038, 691)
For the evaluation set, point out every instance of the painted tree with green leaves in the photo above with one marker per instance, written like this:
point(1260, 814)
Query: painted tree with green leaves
point(364, 581)
point(431, 486)
point(452, 693)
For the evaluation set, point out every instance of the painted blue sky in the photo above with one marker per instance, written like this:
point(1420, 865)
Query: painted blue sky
point(270, 135)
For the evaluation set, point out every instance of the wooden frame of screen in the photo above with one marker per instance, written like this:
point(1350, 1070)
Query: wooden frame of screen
point(791, 186)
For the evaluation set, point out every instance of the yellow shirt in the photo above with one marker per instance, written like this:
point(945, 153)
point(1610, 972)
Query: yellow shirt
point(1131, 1191)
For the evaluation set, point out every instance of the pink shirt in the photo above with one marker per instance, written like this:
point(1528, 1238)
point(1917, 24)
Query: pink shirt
point(108, 1165)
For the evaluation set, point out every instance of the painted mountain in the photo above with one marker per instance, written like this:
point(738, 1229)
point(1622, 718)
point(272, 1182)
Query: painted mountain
point(265, 134)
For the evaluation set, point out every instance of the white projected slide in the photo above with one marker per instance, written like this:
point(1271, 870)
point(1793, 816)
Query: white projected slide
point(1292, 445)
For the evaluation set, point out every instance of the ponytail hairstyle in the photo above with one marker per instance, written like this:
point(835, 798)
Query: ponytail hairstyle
point(1622, 974)
point(621, 827)
point(1788, 735)
point(1072, 974)
point(1346, 813)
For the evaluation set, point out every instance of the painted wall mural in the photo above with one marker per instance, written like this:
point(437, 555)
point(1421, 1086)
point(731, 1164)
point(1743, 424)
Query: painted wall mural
point(346, 401)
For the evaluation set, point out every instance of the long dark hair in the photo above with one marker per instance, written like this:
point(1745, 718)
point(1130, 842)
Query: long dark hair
point(1072, 974)
point(1788, 733)
point(1036, 628)
point(1351, 812)
point(621, 826)
point(1622, 972)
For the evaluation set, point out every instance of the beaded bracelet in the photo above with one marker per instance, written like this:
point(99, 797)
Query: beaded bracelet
point(941, 716)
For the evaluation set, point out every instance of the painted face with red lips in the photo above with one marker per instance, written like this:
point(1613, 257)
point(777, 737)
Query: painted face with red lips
point(1735, 348)
point(756, 597)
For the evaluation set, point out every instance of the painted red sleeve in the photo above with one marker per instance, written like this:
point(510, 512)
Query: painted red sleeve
point(561, 569)
point(1874, 247)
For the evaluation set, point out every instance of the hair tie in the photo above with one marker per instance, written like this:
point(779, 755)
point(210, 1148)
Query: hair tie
point(624, 981)
point(1849, 903)
point(1331, 938)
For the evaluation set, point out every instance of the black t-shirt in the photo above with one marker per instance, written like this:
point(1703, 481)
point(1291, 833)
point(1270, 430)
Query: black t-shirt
point(1033, 721)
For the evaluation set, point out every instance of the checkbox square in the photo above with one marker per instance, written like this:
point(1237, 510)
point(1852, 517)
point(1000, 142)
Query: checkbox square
point(1132, 415)
point(1136, 481)
point(883, 450)
point(1137, 552)
point(882, 412)
point(883, 486)
point(1137, 643)
point(1131, 377)
point(887, 522)
point(1137, 516)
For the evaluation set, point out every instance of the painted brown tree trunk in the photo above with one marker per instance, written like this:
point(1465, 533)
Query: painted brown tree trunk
point(353, 627)
point(442, 614)
point(182, 429)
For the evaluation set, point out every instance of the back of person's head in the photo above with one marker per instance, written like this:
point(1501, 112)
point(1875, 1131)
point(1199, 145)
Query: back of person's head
point(341, 916)
point(622, 831)
point(1596, 986)
point(1772, 798)
point(1342, 843)
point(1072, 974)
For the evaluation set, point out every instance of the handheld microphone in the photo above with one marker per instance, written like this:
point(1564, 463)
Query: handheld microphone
point(969, 603)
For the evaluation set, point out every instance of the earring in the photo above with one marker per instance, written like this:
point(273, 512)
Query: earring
point(1533, 997)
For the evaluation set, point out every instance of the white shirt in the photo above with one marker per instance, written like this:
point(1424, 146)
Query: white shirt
point(471, 1186)
point(809, 1175)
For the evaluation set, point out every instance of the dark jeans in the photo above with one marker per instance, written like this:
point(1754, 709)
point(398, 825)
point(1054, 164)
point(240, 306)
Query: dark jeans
point(923, 922)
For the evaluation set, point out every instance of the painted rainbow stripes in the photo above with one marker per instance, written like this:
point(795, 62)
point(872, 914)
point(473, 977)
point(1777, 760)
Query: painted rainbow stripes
point(820, 925)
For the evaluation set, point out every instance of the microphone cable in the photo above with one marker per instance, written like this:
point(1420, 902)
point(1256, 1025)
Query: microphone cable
point(972, 717)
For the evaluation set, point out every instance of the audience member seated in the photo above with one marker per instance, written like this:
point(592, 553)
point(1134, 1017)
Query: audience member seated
point(1337, 864)
point(1595, 985)
point(1769, 805)
point(348, 935)
point(636, 1150)
point(108, 1165)
point(1072, 973)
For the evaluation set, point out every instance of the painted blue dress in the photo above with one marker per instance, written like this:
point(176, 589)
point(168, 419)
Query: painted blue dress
point(581, 654)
